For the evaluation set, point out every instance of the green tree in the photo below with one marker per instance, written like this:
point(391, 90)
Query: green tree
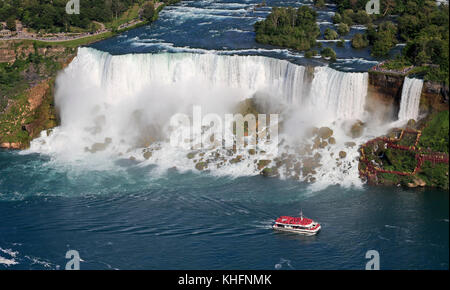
point(319, 3)
point(330, 34)
point(328, 52)
point(11, 23)
point(289, 27)
point(384, 39)
point(343, 29)
point(148, 12)
point(337, 18)
point(359, 40)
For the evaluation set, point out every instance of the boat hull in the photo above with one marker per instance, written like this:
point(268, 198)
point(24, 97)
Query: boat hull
point(298, 231)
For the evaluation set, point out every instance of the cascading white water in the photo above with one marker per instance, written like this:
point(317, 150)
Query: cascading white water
point(410, 99)
point(108, 103)
point(128, 74)
point(344, 94)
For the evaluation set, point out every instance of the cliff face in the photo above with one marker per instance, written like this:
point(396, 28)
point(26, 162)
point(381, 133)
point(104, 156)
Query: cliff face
point(434, 97)
point(387, 89)
point(28, 116)
point(10, 51)
point(31, 110)
point(384, 94)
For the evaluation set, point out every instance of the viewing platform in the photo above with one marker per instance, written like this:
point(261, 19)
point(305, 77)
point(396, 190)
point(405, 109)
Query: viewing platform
point(380, 67)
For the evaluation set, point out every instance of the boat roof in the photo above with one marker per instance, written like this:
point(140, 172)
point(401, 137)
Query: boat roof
point(294, 220)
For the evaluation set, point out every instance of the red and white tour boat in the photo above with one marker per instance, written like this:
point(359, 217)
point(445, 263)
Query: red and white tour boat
point(300, 225)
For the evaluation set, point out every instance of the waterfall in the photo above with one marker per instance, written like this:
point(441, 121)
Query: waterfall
point(124, 75)
point(410, 99)
point(339, 93)
point(116, 106)
point(342, 94)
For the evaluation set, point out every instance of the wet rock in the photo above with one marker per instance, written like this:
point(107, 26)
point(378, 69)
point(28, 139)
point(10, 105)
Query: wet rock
point(416, 182)
point(420, 182)
point(332, 140)
point(325, 132)
point(323, 144)
point(317, 157)
point(316, 143)
point(357, 129)
point(236, 159)
point(263, 163)
point(350, 144)
point(96, 147)
point(201, 166)
point(309, 164)
point(11, 145)
point(251, 151)
point(270, 172)
point(342, 154)
point(191, 155)
point(147, 154)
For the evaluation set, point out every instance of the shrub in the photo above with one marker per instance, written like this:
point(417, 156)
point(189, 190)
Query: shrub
point(330, 34)
point(328, 52)
point(343, 29)
point(360, 41)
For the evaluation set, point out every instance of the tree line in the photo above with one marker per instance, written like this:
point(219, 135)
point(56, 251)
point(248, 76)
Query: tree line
point(50, 15)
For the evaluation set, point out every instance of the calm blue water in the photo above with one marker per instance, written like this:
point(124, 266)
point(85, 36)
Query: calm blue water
point(132, 217)
point(136, 218)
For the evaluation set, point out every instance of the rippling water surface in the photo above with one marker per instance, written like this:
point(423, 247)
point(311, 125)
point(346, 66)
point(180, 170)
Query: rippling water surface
point(139, 218)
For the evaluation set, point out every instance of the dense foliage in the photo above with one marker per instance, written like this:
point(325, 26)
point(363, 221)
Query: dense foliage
point(13, 78)
point(349, 17)
point(383, 38)
point(421, 24)
point(359, 40)
point(328, 53)
point(289, 27)
point(50, 15)
point(435, 134)
point(330, 34)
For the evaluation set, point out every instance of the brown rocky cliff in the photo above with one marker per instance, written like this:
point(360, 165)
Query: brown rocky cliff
point(36, 94)
point(11, 50)
point(384, 94)
point(36, 108)
point(386, 89)
point(434, 97)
